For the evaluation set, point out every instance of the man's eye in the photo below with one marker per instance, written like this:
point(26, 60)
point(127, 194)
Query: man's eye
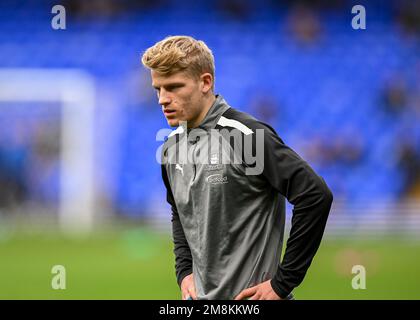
point(172, 88)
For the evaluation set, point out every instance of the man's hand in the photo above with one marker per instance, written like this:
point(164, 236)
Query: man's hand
point(262, 291)
point(188, 287)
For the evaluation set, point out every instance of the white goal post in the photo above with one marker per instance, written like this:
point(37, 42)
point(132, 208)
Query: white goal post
point(74, 90)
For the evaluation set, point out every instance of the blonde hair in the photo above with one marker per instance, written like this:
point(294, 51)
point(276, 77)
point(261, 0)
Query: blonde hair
point(180, 53)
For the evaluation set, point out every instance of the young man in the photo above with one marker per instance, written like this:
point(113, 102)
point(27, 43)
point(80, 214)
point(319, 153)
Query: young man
point(228, 217)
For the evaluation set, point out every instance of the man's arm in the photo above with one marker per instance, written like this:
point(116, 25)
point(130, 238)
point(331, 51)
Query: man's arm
point(311, 198)
point(183, 258)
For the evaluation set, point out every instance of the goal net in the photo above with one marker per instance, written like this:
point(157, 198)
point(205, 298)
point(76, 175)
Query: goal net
point(73, 91)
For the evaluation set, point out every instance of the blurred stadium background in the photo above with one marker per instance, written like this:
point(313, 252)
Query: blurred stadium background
point(79, 183)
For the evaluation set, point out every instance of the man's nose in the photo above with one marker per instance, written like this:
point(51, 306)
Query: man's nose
point(164, 99)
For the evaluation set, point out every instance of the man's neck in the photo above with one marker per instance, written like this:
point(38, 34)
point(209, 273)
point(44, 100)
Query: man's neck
point(207, 105)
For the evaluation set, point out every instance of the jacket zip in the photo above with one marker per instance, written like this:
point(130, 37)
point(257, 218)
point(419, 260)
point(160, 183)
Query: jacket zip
point(194, 160)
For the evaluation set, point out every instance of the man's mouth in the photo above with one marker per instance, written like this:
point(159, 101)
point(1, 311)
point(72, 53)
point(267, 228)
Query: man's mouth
point(169, 112)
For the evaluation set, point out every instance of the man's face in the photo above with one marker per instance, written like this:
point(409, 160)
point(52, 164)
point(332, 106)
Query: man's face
point(180, 97)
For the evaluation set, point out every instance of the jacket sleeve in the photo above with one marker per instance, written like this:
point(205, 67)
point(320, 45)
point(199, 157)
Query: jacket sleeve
point(311, 198)
point(183, 258)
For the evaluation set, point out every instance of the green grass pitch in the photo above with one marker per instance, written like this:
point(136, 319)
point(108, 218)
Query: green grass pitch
point(139, 264)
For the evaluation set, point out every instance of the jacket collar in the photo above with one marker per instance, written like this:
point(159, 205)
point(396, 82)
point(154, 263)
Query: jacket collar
point(218, 107)
point(210, 120)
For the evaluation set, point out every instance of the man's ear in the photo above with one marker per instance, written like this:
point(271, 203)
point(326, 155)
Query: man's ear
point(207, 82)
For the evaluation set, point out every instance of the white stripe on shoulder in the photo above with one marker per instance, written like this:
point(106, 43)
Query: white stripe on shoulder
point(178, 130)
point(225, 122)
